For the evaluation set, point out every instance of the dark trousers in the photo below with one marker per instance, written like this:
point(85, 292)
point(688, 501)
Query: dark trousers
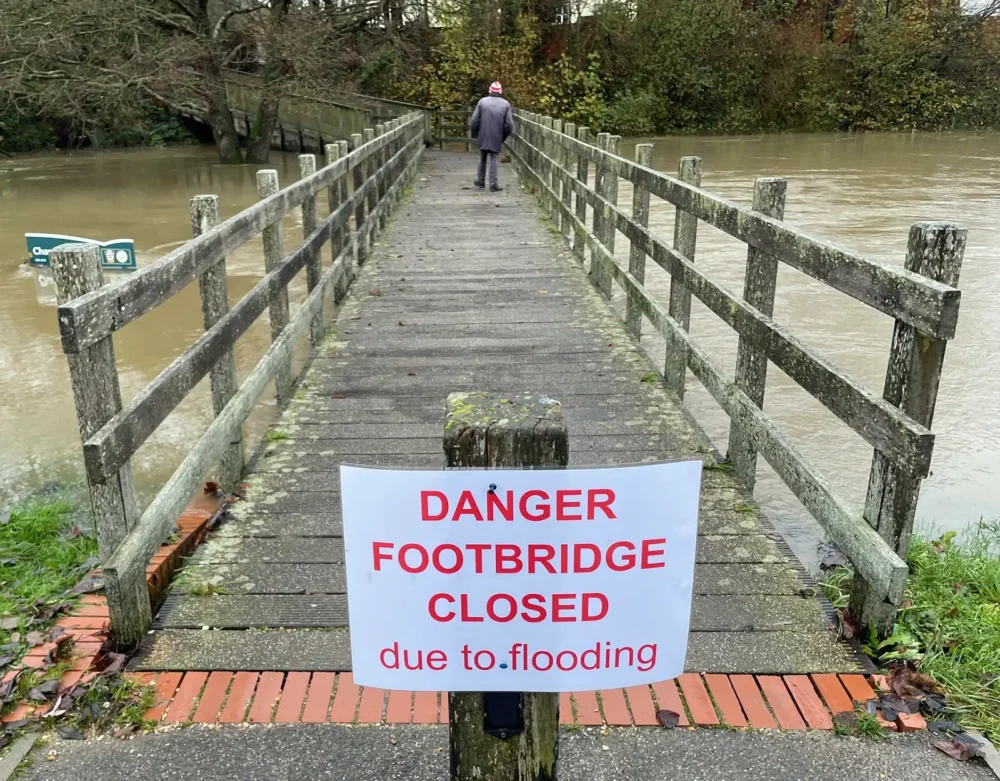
point(484, 155)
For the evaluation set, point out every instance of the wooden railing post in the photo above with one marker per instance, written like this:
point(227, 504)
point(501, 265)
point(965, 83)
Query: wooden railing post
point(314, 265)
point(97, 395)
point(544, 166)
point(582, 175)
point(492, 431)
point(357, 140)
point(273, 237)
point(555, 154)
point(380, 175)
point(637, 255)
point(371, 167)
point(758, 291)
point(935, 250)
point(604, 223)
point(337, 238)
point(214, 289)
point(685, 239)
point(567, 191)
point(441, 129)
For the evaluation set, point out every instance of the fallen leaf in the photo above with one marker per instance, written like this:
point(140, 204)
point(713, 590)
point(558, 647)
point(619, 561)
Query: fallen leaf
point(668, 719)
point(831, 556)
point(958, 751)
point(14, 726)
point(848, 719)
point(951, 613)
point(847, 625)
point(74, 532)
point(124, 732)
point(115, 663)
point(59, 636)
point(70, 733)
point(88, 586)
point(34, 639)
point(4, 739)
point(10, 623)
point(945, 726)
point(5, 660)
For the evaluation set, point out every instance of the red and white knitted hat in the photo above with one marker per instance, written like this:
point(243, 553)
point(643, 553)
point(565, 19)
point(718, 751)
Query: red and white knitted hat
point(496, 88)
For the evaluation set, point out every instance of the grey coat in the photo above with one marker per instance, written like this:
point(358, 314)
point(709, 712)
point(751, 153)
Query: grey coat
point(491, 123)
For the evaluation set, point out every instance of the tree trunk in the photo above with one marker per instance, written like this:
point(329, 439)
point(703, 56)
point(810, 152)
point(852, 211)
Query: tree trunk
point(259, 142)
point(227, 140)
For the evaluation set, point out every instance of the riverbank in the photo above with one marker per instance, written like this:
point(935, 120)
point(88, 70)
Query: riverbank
point(949, 626)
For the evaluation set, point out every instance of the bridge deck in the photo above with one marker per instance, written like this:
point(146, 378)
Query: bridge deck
point(468, 291)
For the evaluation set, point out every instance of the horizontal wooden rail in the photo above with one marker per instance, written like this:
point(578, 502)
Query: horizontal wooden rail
point(381, 168)
point(913, 298)
point(129, 561)
point(883, 425)
point(859, 541)
point(124, 434)
point(88, 319)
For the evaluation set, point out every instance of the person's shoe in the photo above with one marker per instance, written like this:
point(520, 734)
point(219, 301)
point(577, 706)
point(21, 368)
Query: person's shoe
point(495, 188)
point(479, 185)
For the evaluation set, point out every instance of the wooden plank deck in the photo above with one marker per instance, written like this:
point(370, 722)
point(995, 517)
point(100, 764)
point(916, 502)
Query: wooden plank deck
point(468, 291)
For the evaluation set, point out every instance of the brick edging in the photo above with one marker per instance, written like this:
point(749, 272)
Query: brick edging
point(87, 623)
point(790, 702)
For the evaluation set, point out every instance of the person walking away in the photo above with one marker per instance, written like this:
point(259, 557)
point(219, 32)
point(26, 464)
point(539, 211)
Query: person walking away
point(492, 122)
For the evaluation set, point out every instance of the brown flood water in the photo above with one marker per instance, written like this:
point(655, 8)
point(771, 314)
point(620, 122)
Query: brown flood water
point(862, 191)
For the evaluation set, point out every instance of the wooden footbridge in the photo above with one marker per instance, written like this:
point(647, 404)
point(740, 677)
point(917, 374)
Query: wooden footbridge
point(419, 286)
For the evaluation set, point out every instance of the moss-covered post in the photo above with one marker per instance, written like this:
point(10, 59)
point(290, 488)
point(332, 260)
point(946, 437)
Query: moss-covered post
point(314, 265)
point(360, 244)
point(274, 253)
point(496, 432)
point(935, 250)
point(582, 174)
point(758, 291)
point(567, 190)
point(604, 222)
point(337, 237)
point(685, 239)
point(214, 290)
point(637, 254)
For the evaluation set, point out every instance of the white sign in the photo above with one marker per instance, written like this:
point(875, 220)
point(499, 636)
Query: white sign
point(517, 580)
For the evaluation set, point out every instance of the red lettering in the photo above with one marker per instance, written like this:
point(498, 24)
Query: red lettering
point(648, 552)
point(539, 554)
point(478, 548)
point(561, 604)
point(508, 555)
point(600, 498)
point(379, 556)
point(394, 652)
point(595, 557)
point(491, 608)
point(542, 507)
point(455, 551)
point(467, 506)
point(425, 507)
point(493, 503)
point(467, 617)
point(624, 562)
point(563, 504)
point(534, 608)
point(586, 614)
point(437, 661)
point(422, 555)
point(432, 607)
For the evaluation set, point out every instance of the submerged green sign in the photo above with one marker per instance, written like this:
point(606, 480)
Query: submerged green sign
point(117, 253)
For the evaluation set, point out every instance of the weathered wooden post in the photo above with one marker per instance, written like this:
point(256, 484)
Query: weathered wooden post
point(604, 221)
point(544, 161)
point(935, 250)
point(637, 254)
point(359, 203)
point(337, 238)
point(582, 175)
point(371, 169)
point(758, 291)
point(567, 190)
point(97, 395)
point(273, 237)
point(685, 239)
point(214, 289)
point(441, 129)
point(555, 156)
point(381, 159)
point(314, 264)
point(491, 431)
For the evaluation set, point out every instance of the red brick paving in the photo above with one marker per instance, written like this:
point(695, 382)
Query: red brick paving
point(425, 708)
point(319, 698)
point(240, 693)
point(753, 704)
point(210, 706)
point(641, 704)
point(667, 698)
point(698, 702)
point(266, 697)
point(810, 705)
point(725, 700)
point(781, 702)
point(293, 697)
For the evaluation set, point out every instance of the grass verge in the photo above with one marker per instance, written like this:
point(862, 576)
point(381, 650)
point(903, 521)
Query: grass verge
point(949, 624)
point(43, 555)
